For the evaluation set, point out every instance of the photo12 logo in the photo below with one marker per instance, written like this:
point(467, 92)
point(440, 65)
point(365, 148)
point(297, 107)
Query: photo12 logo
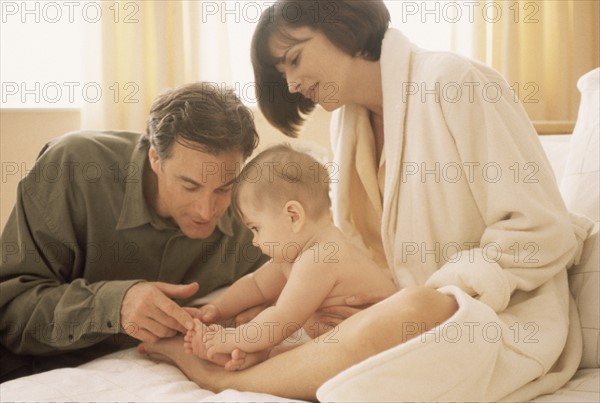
point(69, 92)
point(470, 91)
point(251, 11)
point(469, 11)
point(69, 11)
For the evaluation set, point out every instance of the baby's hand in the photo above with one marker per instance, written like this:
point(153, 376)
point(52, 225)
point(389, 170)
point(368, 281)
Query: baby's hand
point(208, 313)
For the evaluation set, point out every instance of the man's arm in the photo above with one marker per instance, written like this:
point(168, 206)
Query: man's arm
point(45, 305)
point(42, 308)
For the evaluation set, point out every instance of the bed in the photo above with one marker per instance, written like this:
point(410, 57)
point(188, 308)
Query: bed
point(128, 376)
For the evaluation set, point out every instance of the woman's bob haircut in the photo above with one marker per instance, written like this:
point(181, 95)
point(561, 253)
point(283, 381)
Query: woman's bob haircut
point(356, 27)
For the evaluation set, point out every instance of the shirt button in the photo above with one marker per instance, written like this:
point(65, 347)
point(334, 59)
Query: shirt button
point(109, 324)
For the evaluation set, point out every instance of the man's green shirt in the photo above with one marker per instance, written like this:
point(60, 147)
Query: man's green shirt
point(81, 234)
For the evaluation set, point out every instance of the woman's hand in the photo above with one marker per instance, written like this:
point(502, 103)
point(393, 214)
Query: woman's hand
point(363, 301)
point(335, 314)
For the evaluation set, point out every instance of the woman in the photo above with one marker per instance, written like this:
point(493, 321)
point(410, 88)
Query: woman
point(442, 177)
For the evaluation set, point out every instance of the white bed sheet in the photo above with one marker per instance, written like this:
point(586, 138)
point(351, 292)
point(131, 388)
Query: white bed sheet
point(124, 376)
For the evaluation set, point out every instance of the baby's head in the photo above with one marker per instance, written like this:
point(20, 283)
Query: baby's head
point(281, 174)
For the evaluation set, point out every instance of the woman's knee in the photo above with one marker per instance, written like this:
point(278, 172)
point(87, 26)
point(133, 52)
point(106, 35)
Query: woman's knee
point(404, 315)
point(427, 304)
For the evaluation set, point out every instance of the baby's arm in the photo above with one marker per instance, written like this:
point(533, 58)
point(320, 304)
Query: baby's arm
point(306, 289)
point(263, 285)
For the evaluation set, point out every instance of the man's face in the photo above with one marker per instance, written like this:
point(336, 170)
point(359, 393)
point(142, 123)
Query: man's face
point(193, 187)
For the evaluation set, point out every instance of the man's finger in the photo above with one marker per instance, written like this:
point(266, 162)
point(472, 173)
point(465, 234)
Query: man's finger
point(194, 312)
point(141, 334)
point(159, 330)
point(178, 290)
point(176, 312)
point(168, 324)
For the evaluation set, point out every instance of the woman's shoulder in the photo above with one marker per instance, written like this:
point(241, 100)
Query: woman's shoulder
point(447, 66)
point(440, 64)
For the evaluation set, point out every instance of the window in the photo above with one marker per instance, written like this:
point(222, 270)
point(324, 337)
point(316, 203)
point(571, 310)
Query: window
point(42, 45)
point(426, 23)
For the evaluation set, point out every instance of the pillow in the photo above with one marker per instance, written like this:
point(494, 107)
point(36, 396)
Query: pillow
point(579, 188)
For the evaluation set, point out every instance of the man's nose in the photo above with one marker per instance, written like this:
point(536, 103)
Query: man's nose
point(204, 207)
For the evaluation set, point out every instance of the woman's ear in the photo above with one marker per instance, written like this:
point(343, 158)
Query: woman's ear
point(295, 214)
point(154, 159)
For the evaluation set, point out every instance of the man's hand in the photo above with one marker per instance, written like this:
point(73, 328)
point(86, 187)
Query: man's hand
point(148, 312)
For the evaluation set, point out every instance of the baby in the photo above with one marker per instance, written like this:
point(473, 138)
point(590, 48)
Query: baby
point(282, 196)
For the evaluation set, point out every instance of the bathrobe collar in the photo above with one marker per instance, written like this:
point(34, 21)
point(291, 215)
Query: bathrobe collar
point(396, 53)
point(353, 147)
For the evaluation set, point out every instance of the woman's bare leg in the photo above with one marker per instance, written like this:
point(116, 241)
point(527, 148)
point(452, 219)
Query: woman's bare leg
point(369, 332)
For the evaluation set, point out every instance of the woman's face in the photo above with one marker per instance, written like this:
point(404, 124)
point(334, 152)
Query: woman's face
point(314, 67)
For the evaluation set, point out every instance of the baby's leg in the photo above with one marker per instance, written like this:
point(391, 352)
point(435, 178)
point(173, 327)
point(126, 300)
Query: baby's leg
point(193, 343)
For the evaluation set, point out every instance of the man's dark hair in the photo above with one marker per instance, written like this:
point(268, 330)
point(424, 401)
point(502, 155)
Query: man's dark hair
point(202, 115)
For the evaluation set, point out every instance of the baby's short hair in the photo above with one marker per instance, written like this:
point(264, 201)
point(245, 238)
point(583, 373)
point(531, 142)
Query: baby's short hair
point(281, 173)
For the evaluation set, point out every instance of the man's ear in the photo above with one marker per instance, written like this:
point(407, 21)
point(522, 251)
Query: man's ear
point(295, 214)
point(154, 159)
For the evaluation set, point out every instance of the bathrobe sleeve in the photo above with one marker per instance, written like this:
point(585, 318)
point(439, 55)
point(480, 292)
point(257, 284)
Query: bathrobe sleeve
point(529, 235)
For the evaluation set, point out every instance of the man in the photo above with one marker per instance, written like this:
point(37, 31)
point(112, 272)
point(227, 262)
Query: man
point(110, 227)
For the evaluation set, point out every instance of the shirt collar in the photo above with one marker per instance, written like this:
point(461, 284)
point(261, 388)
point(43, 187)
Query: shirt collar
point(135, 211)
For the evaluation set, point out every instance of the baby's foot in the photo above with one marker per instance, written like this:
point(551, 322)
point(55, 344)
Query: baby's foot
point(242, 360)
point(193, 340)
point(188, 340)
point(194, 343)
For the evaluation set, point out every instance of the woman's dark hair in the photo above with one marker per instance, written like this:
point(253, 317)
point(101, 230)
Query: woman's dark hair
point(202, 115)
point(356, 27)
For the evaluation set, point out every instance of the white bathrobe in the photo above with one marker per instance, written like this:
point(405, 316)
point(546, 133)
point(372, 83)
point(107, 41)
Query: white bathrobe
point(464, 201)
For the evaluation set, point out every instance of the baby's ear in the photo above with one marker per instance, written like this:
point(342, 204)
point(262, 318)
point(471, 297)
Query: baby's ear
point(295, 214)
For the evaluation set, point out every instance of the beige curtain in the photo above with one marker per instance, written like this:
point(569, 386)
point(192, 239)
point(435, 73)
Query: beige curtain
point(541, 48)
point(138, 49)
